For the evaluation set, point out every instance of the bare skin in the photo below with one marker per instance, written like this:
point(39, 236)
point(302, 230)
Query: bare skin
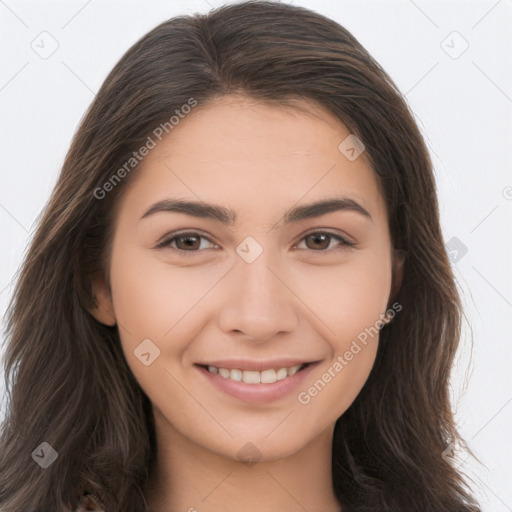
point(303, 297)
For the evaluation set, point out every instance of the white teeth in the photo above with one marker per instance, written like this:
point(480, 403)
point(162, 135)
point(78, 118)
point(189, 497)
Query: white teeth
point(293, 370)
point(268, 376)
point(281, 374)
point(236, 375)
point(251, 377)
point(223, 372)
point(255, 377)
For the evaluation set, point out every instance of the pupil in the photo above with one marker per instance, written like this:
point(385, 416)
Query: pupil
point(318, 238)
point(189, 240)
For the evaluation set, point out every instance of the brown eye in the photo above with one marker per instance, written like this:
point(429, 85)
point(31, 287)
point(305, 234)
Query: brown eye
point(189, 242)
point(185, 242)
point(320, 241)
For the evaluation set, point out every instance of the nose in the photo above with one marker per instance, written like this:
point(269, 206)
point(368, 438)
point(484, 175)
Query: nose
point(258, 301)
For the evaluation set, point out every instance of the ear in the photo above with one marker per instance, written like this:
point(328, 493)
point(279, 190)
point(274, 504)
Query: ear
point(102, 309)
point(397, 272)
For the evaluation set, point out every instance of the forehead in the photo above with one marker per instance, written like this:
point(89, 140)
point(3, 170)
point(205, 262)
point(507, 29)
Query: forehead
point(229, 124)
point(243, 152)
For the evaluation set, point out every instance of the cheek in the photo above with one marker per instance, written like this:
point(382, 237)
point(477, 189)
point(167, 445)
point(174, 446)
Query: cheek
point(160, 303)
point(350, 303)
point(348, 298)
point(152, 298)
point(362, 301)
point(334, 387)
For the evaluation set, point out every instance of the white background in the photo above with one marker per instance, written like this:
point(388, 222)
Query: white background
point(463, 106)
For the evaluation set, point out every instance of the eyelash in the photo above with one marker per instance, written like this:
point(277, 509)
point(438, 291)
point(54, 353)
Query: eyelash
point(166, 243)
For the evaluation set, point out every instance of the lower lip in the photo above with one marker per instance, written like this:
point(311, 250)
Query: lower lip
point(258, 393)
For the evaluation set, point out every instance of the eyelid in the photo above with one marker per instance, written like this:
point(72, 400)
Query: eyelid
point(164, 243)
point(344, 243)
point(170, 237)
point(344, 239)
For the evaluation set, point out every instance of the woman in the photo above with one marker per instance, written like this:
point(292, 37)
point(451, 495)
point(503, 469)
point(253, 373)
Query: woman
point(239, 283)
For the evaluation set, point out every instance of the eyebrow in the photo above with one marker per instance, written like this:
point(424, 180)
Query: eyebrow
point(229, 217)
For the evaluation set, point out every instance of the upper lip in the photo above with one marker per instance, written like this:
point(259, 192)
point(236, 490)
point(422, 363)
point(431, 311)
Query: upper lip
point(247, 364)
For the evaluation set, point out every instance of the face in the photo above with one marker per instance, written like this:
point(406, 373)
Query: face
point(258, 280)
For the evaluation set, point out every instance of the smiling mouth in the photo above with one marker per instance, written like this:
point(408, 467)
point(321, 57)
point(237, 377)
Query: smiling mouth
point(268, 376)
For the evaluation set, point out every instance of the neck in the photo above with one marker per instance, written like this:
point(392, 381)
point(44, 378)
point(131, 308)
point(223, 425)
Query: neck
point(190, 478)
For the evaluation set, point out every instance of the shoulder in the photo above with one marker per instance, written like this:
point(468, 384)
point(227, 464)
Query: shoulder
point(89, 502)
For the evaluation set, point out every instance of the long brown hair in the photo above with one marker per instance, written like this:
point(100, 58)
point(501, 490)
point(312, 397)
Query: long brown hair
point(67, 379)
